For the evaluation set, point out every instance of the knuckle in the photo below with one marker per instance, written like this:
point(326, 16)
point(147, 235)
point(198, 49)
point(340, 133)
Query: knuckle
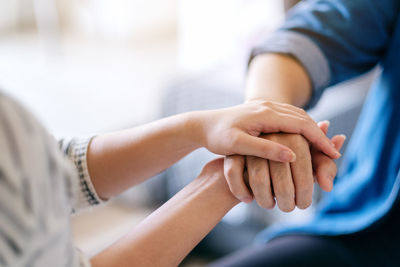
point(262, 105)
point(304, 122)
point(237, 192)
point(303, 112)
point(299, 141)
point(264, 110)
point(259, 181)
point(297, 109)
point(229, 172)
point(257, 173)
point(233, 139)
point(308, 122)
point(232, 164)
point(266, 103)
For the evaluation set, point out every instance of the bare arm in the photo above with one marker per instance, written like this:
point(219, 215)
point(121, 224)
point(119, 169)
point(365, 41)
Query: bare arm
point(279, 78)
point(167, 235)
point(120, 160)
point(172, 231)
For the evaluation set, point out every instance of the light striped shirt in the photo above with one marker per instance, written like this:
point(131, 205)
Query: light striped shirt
point(42, 183)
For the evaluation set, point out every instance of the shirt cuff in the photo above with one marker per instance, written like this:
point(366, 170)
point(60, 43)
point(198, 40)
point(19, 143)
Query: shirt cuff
point(76, 150)
point(305, 51)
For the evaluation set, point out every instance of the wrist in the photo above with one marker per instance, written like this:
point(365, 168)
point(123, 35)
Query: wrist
point(211, 182)
point(194, 128)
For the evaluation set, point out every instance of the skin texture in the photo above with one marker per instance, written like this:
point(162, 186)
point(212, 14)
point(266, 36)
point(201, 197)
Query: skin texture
point(281, 78)
point(324, 168)
point(172, 231)
point(288, 184)
point(120, 160)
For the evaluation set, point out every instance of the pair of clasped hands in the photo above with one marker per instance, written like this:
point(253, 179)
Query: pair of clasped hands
point(276, 153)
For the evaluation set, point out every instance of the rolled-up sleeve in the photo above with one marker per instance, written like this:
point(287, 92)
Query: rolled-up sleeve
point(335, 40)
point(76, 150)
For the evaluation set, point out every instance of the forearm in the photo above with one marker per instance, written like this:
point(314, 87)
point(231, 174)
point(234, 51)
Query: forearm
point(279, 78)
point(120, 160)
point(172, 231)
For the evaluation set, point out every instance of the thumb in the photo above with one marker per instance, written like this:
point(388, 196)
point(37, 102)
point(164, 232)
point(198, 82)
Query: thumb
point(259, 147)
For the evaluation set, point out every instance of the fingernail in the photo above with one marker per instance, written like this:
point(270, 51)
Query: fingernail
point(337, 154)
point(342, 135)
point(247, 200)
point(331, 178)
point(286, 155)
point(326, 122)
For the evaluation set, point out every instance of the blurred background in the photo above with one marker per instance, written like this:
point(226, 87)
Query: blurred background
point(108, 60)
point(90, 66)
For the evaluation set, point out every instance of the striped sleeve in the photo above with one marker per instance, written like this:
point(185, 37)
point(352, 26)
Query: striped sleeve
point(36, 187)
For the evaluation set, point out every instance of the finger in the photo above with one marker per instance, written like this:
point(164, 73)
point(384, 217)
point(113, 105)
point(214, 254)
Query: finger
point(324, 125)
point(233, 171)
point(302, 174)
point(297, 122)
point(324, 167)
point(259, 147)
point(259, 180)
point(325, 170)
point(338, 141)
point(309, 129)
point(321, 144)
point(282, 185)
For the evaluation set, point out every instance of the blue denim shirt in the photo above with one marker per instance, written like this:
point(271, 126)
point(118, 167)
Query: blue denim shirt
point(336, 40)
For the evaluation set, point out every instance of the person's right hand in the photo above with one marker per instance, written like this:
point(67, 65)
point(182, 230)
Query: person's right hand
point(236, 130)
point(288, 184)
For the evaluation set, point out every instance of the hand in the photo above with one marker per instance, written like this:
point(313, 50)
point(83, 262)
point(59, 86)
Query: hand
point(290, 184)
point(235, 130)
